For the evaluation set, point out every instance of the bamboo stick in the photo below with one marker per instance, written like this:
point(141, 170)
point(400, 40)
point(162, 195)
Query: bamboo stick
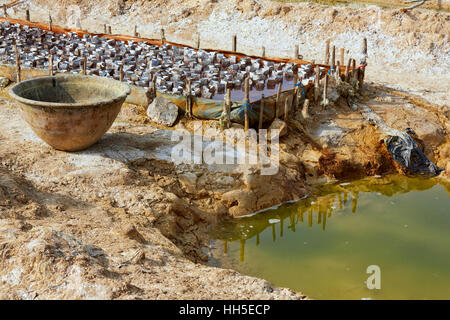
point(84, 64)
point(50, 65)
point(16, 51)
point(316, 84)
point(228, 100)
point(347, 70)
point(261, 112)
point(277, 102)
point(246, 103)
point(327, 52)
point(163, 36)
point(333, 57)
point(121, 73)
point(325, 89)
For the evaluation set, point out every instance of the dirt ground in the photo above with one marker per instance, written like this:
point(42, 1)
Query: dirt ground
point(121, 220)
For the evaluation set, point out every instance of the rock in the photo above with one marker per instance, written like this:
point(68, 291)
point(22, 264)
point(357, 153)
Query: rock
point(280, 125)
point(163, 111)
point(189, 181)
point(4, 82)
point(131, 232)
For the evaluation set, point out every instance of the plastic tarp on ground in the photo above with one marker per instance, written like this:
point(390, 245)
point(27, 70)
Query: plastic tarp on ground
point(212, 109)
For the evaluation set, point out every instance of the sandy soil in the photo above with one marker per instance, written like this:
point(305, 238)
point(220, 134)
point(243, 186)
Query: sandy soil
point(112, 222)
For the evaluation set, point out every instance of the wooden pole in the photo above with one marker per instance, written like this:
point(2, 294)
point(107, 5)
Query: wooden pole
point(277, 102)
point(327, 52)
point(27, 15)
point(342, 57)
point(353, 68)
point(338, 70)
point(316, 84)
point(234, 43)
point(105, 29)
point(347, 70)
point(263, 52)
point(163, 36)
point(84, 65)
point(296, 52)
point(228, 100)
point(246, 102)
point(333, 57)
point(121, 73)
point(198, 41)
point(16, 51)
point(188, 97)
point(135, 31)
point(50, 65)
point(363, 62)
point(50, 22)
point(325, 88)
point(261, 113)
point(5, 11)
point(109, 30)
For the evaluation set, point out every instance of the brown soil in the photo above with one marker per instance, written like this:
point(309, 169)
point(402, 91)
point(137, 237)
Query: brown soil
point(122, 221)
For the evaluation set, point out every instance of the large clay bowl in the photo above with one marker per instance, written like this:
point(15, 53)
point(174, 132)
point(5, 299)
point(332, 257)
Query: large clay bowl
point(70, 112)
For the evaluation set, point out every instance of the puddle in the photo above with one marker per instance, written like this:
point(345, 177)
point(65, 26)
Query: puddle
point(323, 245)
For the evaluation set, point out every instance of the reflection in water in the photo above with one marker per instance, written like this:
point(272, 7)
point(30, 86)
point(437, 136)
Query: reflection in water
point(323, 244)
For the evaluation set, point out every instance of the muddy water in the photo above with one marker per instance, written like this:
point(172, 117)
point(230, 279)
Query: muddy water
point(323, 245)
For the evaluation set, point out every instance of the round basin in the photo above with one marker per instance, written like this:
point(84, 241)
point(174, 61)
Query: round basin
point(70, 112)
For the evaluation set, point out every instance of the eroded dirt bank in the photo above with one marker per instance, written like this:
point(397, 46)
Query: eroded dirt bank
point(122, 220)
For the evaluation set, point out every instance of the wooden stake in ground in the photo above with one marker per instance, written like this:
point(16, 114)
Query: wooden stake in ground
point(347, 70)
point(353, 68)
point(27, 15)
point(333, 58)
point(135, 31)
point(327, 52)
point(296, 52)
point(49, 22)
point(188, 98)
point(261, 113)
point(121, 73)
point(316, 84)
point(342, 57)
point(277, 102)
point(163, 36)
point(338, 72)
point(246, 102)
point(109, 30)
point(234, 43)
point(198, 41)
point(363, 62)
point(325, 89)
point(228, 105)
point(105, 30)
point(84, 65)
point(263, 54)
point(16, 51)
point(50, 65)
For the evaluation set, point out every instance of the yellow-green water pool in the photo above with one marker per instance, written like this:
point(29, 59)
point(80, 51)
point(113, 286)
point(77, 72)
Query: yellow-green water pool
point(323, 245)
